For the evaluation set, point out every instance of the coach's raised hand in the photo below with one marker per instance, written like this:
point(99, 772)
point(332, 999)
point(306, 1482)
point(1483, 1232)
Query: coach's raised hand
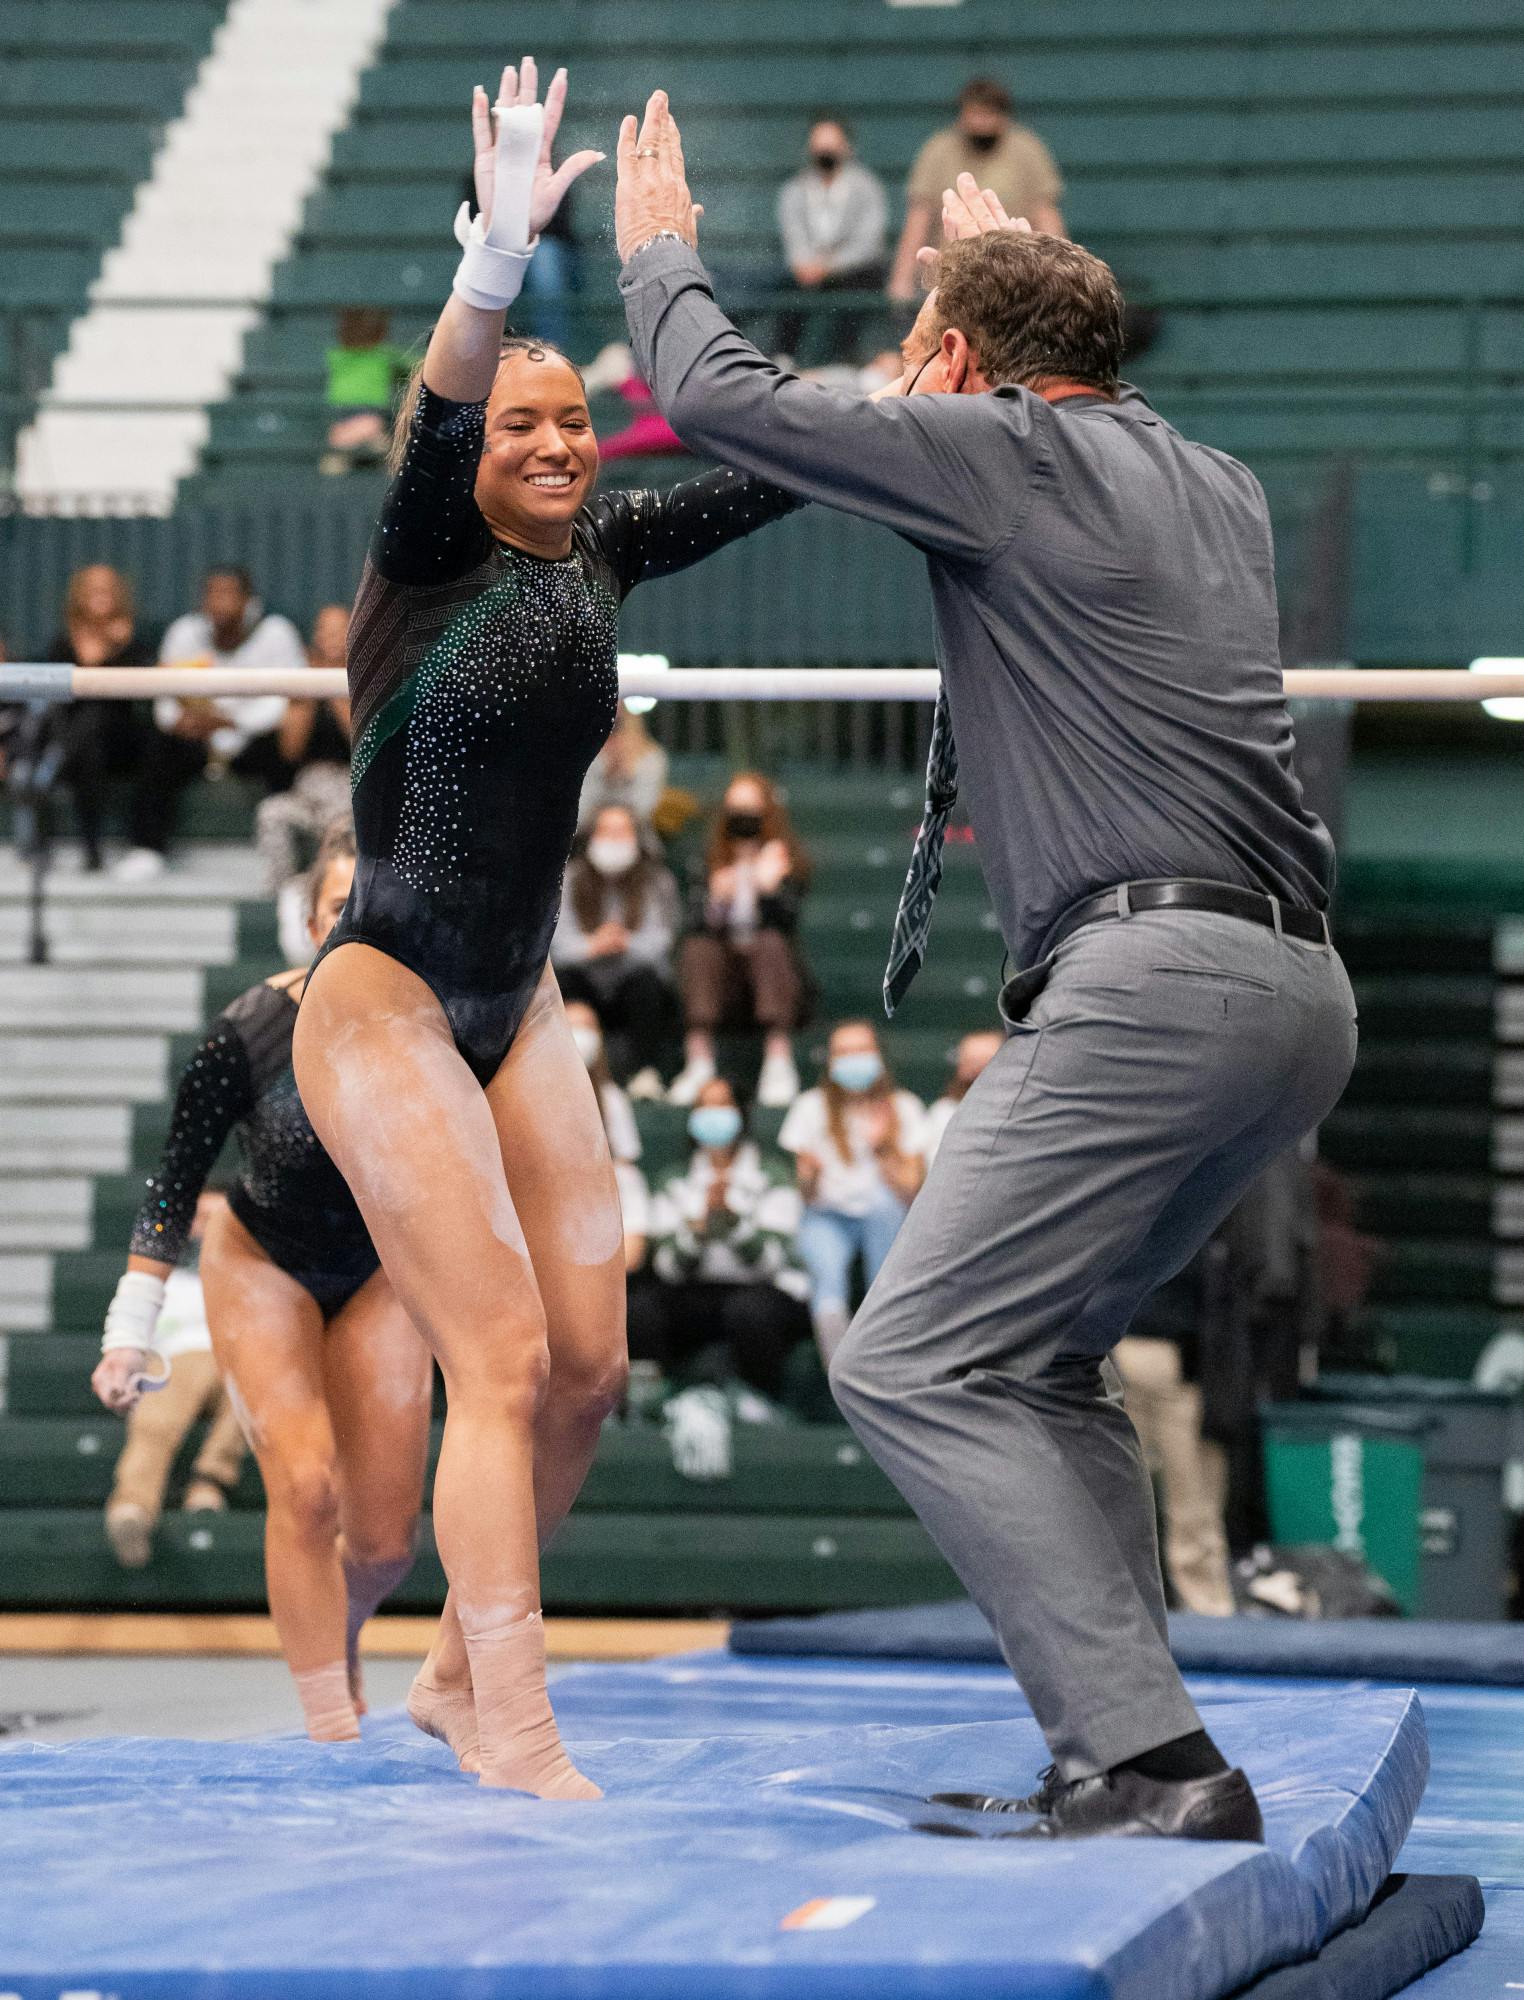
point(652, 197)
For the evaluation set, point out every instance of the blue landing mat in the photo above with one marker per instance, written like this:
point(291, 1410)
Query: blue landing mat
point(770, 1860)
point(1393, 1649)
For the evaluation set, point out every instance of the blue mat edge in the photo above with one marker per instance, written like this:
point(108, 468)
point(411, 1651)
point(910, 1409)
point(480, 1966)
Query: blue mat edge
point(1400, 1649)
point(1419, 1922)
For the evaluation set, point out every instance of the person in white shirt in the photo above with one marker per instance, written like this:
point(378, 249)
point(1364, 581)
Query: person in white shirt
point(613, 942)
point(619, 1127)
point(858, 1144)
point(236, 733)
point(969, 1060)
point(724, 1263)
point(832, 216)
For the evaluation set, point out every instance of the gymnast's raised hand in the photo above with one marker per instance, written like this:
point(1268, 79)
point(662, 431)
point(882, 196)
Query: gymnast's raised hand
point(548, 184)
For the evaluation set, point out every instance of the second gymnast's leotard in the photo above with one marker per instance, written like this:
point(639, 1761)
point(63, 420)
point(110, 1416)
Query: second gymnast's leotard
point(483, 682)
point(289, 1195)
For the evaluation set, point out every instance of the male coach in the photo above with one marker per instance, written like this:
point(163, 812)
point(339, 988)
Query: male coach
point(1113, 709)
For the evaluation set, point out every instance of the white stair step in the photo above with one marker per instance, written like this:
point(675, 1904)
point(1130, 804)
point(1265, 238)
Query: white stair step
point(65, 1138)
point(167, 998)
point(216, 871)
point(46, 1212)
point(26, 1293)
point(44, 1068)
point(81, 932)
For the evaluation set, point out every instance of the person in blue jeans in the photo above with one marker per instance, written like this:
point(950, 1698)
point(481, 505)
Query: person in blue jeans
point(858, 1143)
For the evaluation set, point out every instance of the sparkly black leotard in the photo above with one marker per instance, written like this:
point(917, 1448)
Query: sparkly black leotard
point(483, 681)
point(289, 1195)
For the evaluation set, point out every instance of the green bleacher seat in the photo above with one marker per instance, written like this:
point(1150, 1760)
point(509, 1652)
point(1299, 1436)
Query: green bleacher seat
point(71, 83)
point(166, 27)
point(39, 276)
point(71, 149)
point(57, 212)
point(77, 137)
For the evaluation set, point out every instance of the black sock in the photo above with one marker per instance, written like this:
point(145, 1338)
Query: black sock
point(1181, 1759)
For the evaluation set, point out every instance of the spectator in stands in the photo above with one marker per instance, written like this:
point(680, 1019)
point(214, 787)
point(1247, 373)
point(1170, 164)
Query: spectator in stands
point(832, 217)
point(973, 1053)
point(289, 825)
point(647, 434)
point(157, 1423)
point(234, 733)
point(630, 770)
point(740, 964)
point(614, 940)
point(98, 739)
point(619, 1126)
point(724, 1265)
point(858, 1142)
point(1000, 154)
point(364, 369)
point(1157, 1361)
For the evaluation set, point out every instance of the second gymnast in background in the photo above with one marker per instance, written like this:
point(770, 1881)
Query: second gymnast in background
point(327, 1376)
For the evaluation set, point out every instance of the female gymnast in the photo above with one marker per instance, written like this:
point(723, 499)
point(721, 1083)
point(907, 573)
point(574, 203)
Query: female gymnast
point(328, 1378)
point(432, 1052)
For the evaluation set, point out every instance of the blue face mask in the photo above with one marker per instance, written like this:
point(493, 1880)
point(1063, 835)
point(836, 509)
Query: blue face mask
point(857, 1072)
point(714, 1125)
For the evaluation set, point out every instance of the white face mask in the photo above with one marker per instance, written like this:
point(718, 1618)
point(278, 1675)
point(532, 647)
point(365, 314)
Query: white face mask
point(612, 856)
point(589, 1044)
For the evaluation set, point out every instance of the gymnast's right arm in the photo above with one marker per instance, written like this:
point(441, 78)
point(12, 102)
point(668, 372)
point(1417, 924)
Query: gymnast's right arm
point(430, 530)
point(216, 1090)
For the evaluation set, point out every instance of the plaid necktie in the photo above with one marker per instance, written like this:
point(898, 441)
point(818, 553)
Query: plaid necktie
point(912, 922)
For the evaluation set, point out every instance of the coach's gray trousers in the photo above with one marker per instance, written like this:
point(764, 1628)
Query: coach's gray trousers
point(1168, 1057)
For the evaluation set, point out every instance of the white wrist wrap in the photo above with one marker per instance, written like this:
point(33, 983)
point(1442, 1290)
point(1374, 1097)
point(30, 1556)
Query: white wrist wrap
point(486, 277)
point(132, 1316)
point(492, 270)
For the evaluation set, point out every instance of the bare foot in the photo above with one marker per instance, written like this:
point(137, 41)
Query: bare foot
point(449, 1715)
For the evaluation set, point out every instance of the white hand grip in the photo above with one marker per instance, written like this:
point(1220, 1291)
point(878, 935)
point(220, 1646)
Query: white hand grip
point(519, 130)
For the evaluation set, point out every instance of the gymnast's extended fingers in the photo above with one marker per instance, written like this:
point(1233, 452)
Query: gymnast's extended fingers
point(555, 104)
point(507, 86)
point(529, 81)
point(571, 169)
point(481, 121)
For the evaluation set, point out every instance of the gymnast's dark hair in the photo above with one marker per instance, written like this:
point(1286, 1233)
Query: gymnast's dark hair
point(407, 409)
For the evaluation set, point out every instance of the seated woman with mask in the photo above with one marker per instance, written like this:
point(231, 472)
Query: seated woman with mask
point(612, 947)
point(741, 966)
point(859, 1150)
point(723, 1263)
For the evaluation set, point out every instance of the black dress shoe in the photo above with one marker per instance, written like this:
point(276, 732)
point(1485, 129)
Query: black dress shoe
point(1123, 1803)
point(1050, 1789)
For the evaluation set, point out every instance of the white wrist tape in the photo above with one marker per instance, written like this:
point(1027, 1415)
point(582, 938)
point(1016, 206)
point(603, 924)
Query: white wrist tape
point(132, 1317)
point(486, 277)
point(491, 272)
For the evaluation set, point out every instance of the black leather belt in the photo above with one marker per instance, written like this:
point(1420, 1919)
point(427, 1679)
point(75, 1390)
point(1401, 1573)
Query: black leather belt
point(1222, 898)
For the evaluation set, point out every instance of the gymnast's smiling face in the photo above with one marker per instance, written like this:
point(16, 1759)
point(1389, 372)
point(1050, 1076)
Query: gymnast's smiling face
point(539, 456)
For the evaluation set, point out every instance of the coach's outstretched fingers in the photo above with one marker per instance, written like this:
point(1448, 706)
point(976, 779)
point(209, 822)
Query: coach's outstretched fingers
point(652, 195)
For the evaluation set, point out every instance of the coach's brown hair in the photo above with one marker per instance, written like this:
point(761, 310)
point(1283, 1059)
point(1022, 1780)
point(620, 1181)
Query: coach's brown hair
point(1033, 308)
